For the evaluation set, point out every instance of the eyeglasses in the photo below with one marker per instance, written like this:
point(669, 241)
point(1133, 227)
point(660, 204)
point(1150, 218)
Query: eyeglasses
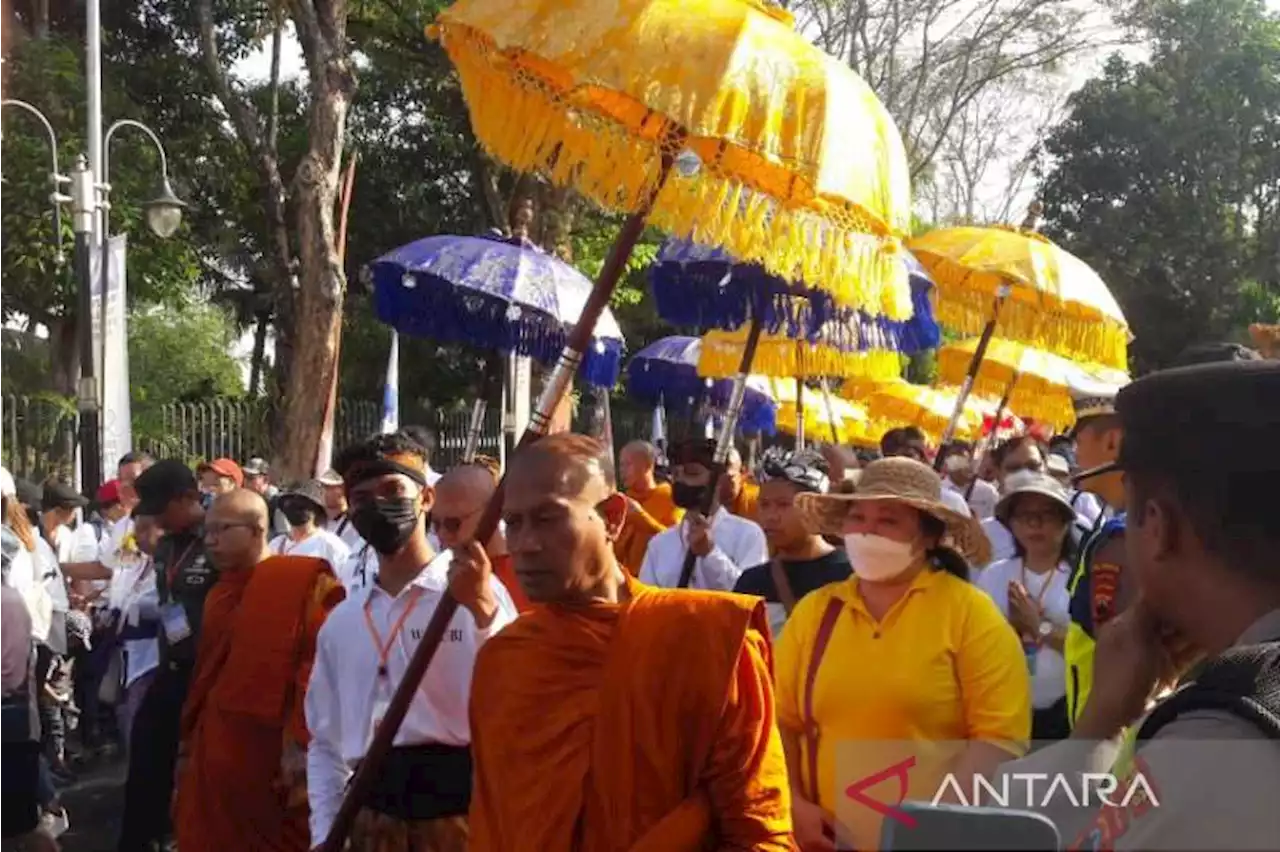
point(451, 526)
point(215, 530)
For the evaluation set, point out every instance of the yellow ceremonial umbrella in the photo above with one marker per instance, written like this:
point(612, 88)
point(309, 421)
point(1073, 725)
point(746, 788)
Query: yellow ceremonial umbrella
point(900, 403)
point(782, 155)
point(1034, 383)
point(817, 412)
point(1048, 298)
point(712, 119)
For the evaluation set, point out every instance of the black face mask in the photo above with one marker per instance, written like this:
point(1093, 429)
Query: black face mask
point(387, 524)
point(297, 515)
point(688, 496)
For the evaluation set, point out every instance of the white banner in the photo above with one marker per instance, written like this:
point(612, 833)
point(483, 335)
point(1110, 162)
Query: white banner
point(111, 363)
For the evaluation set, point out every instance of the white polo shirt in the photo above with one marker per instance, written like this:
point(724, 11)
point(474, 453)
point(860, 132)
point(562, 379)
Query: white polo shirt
point(737, 544)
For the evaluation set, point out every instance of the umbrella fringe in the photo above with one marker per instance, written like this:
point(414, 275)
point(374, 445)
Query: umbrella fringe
point(435, 309)
point(964, 305)
point(719, 359)
point(679, 387)
point(696, 294)
point(524, 121)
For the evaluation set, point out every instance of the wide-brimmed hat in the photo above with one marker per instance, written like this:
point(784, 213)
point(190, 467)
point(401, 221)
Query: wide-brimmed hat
point(907, 481)
point(1030, 482)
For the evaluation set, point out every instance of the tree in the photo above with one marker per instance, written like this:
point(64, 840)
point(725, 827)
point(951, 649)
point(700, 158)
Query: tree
point(928, 60)
point(1165, 176)
point(179, 355)
point(39, 281)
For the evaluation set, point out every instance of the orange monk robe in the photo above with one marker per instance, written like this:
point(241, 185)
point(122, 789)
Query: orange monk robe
point(504, 569)
point(633, 541)
point(744, 504)
point(585, 735)
point(244, 716)
point(659, 505)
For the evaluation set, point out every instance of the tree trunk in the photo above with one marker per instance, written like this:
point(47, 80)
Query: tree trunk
point(317, 320)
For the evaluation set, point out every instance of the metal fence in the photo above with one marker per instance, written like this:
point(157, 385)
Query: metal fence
point(39, 437)
point(40, 432)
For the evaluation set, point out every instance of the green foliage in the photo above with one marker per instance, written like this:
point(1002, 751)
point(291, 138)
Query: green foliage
point(49, 75)
point(1166, 176)
point(179, 355)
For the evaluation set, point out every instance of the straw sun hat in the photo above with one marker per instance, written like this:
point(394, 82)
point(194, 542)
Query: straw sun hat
point(906, 481)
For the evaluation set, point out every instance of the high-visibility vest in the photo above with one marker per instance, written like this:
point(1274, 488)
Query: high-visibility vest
point(1090, 606)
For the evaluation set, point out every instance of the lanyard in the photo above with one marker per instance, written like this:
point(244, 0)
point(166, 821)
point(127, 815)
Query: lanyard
point(384, 650)
point(171, 573)
point(1044, 589)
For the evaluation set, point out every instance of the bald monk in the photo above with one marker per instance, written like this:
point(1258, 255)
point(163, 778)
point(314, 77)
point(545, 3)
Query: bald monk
point(638, 463)
point(461, 495)
point(240, 784)
point(585, 736)
point(737, 493)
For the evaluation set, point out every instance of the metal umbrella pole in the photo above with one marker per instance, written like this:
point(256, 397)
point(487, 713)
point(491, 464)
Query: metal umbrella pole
point(553, 391)
point(725, 442)
point(832, 415)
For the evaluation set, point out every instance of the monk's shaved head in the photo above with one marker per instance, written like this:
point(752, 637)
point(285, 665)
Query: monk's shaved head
point(562, 513)
point(571, 463)
point(638, 460)
point(641, 449)
point(461, 496)
point(241, 504)
point(235, 530)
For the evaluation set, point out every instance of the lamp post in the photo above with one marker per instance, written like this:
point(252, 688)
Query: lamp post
point(164, 216)
point(89, 199)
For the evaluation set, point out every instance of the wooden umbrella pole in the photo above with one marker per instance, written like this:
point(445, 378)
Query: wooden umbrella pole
point(725, 443)
point(799, 413)
point(990, 438)
point(554, 390)
point(1002, 293)
point(836, 420)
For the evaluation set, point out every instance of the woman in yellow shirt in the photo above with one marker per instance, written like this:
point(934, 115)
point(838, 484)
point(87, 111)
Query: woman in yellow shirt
point(901, 674)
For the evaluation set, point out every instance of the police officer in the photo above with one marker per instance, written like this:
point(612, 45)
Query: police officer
point(1100, 590)
point(168, 492)
point(1097, 589)
point(1200, 469)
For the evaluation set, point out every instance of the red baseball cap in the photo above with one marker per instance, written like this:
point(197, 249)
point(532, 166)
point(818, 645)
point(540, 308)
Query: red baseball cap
point(224, 467)
point(108, 492)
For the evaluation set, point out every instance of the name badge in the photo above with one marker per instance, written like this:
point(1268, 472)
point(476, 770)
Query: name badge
point(174, 619)
point(381, 702)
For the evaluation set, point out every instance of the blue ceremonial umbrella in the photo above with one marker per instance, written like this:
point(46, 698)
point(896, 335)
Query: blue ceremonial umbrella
point(666, 372)
point(705, 288)
point(493, 293)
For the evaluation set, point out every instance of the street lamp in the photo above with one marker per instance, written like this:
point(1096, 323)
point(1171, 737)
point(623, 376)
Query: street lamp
point(164, 211)
point(56, 178)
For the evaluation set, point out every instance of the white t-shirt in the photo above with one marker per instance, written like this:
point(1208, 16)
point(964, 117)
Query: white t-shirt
point(1049, 682)
point(1002, 544)
point(321, 544)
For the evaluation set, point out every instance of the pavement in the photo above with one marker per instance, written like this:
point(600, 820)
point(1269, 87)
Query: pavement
point(94, 804)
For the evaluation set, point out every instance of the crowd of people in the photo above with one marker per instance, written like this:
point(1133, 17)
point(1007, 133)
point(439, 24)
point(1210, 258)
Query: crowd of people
point(1029, 604)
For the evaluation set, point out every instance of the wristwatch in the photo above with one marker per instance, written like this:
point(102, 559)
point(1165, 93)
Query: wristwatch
point(1045, 630)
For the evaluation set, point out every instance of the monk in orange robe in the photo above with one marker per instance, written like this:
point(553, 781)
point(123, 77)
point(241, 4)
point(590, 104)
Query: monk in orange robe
point(638, 463)
point(738, 494)
point(241, 781)
point(585, 735)
point(461, 495)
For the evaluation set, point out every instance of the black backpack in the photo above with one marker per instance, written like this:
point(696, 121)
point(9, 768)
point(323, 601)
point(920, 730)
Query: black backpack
point(1243, 681)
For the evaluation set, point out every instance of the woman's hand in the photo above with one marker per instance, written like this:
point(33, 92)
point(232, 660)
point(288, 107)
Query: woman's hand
point(1024, 614)
point(809, 823)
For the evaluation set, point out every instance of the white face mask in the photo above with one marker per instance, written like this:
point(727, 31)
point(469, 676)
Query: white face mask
point(876, 558)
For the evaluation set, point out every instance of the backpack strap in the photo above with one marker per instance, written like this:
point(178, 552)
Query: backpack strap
point(811, 733)
point(786, 595)
point(1244, 682)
